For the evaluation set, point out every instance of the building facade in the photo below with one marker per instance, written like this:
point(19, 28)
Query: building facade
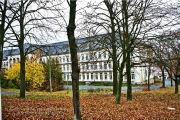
point(95, 64)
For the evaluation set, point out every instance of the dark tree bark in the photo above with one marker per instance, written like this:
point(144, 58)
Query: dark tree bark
point(176, 85)
point(119, 86)
point(128, 72)
point(2, 30)
point(21, 49)
point(163, 79)
point(149, 72)
point(75, 69)
point(128, 49)
point(114, 51)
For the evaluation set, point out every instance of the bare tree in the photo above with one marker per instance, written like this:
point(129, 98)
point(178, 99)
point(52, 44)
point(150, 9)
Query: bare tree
point(75, 68)
point(7, 18)
point(26, 21)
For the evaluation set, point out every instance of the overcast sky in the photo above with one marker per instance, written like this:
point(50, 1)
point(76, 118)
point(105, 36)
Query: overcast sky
point(62, 36)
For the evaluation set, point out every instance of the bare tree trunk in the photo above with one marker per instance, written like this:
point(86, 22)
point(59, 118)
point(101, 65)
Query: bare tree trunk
point(176, 85)
point(119, 86)
point(163, 79)
point(2, 32)
point(114, 55)
point(128, 72)
point(22, 54)
point(22, 71)
point(149, 72)
point(1, 44)
point(128, 49)
point(171, 82)
point(75, 69)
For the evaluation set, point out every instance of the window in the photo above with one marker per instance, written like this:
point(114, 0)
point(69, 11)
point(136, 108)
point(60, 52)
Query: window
point(95, 55)
point(105, 76)
point(110, 67)
point(79, 76)
point(91, 76)
point(59, 59)
point(96, 76)
point(132, 75)
point(18, 60)
point(87, 66)
point(67, 76)
point(100, 65)
point(67, 58)
point(104, 55)
point(83, 76)
point(105, 65)
point(82, 56)
point(14, 60)
point(91, 56)
point(86, 56)
point(63, 58)
point(95, 65)
point(101, 77)
point(87, 76)
point(99, 55)
point(67, 67)
point(91, 65)
point(110, 75)
point(131, 54)
point(83, 67)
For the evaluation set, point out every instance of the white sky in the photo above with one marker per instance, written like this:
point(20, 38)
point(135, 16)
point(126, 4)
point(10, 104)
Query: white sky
point(62, 36)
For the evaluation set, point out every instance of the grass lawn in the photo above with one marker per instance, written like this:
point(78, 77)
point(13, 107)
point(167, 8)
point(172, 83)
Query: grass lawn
point(161, 104)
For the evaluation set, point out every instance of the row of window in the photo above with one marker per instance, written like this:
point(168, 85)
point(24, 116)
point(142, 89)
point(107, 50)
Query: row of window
point(95, 76)
point(10, 62)
point(90, 66)
point(94, 55)
point(91, 76)
point(81, 57)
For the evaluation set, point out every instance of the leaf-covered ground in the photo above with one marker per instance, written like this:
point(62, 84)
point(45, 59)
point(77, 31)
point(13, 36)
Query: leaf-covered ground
point(154, 105)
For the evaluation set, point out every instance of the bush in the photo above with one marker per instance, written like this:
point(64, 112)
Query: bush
point(11, 85)
point(55, 86)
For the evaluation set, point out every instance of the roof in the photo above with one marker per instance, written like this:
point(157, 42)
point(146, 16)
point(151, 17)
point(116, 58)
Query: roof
point(83, 44)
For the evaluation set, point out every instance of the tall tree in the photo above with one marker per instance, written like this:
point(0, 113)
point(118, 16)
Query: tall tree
point(26, 20)
point(6, 21)
point(2, 29)
point(75, 68)
point(110, 6)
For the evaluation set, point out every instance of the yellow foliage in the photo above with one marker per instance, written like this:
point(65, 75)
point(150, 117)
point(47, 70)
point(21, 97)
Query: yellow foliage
point(13, 72)
point(34, 73)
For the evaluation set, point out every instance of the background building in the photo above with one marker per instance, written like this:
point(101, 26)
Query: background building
point(95, 63)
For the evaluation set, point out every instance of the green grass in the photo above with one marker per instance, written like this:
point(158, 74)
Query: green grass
point(57, 94)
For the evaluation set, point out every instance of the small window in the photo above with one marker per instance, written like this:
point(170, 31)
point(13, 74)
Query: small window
point(101, 77)
point(82, 56)
point(87, 76)
point(91, 76)
point(110, 66)
point(105, 76)
point(104, 55)
point(83, 76)
point(96, 76)
point(132, 75)
point(100, 65)
point(105, 65)
point(110, 76)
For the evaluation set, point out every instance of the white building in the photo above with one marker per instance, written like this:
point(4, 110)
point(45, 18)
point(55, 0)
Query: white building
point(95, 64)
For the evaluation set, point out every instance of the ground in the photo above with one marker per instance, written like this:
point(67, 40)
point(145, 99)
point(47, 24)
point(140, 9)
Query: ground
point(146, 105)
